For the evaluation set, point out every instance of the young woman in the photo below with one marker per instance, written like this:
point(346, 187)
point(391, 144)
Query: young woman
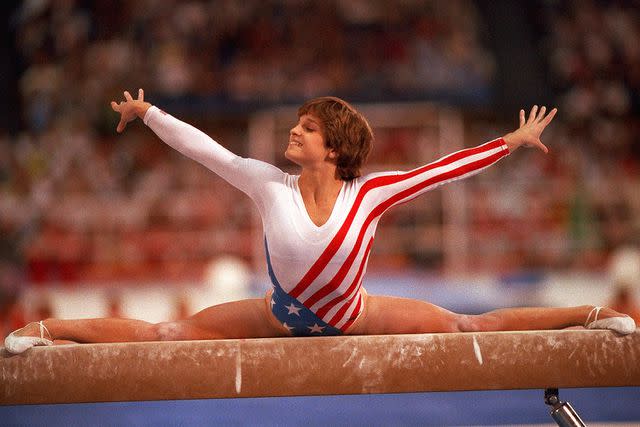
point(319, 227)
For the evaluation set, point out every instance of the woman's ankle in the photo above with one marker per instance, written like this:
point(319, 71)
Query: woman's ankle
point(45, 332)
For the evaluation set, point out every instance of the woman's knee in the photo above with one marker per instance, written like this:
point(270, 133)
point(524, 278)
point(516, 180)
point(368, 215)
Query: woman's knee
point(169, 331)
point(439, 320)
point(186, 330)
point(444, 322)
point(477, 322)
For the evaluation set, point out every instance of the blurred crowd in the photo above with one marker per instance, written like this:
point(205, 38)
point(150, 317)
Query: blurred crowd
point(76, 53)
point(78, 203)
point(593, 60)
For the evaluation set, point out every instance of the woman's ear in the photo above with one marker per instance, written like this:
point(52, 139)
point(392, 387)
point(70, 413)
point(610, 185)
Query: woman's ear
point(332, 154)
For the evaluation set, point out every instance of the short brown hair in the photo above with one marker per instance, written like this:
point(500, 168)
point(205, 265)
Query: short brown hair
point(346, 131)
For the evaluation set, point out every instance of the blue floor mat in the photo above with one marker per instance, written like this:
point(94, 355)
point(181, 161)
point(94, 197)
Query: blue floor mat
point(599, 405)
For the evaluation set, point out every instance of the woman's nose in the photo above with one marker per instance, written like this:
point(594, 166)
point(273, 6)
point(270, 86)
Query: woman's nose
point(295, 130)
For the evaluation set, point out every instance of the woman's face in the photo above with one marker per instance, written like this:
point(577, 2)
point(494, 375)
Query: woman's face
point(306, 142)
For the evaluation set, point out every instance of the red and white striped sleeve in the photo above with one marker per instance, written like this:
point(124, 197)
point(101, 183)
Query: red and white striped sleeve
point(399, 187)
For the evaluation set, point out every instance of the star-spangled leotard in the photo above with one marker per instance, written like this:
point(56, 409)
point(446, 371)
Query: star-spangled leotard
point(317, 271)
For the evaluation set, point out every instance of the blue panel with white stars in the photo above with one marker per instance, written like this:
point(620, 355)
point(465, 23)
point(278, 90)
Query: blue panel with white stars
point(292, 314)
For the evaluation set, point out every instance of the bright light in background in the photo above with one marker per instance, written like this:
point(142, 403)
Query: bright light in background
point(624, 267)
point(226, 279)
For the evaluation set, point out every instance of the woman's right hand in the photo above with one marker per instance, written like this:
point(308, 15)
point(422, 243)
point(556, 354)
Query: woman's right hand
point(130, 109)
point(528, 134)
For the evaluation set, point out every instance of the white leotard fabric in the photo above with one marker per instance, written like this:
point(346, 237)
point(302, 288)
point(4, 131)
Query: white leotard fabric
point(317, 270)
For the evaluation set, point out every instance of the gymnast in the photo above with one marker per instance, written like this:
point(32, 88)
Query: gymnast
point(318, 231)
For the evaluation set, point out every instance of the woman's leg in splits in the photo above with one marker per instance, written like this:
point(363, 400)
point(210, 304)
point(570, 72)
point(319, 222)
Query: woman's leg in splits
point(391, 315)
point(239, 319)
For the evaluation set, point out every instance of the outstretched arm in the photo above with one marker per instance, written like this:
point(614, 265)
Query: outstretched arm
point(179, 135)
point(528, 134)
point(404, 186)
point(248, 175)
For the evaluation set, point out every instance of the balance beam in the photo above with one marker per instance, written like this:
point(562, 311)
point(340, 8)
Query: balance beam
point(319, 366)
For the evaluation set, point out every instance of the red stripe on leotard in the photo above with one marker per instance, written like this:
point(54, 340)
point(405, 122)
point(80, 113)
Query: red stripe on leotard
point(322, 261)
point(335, 282)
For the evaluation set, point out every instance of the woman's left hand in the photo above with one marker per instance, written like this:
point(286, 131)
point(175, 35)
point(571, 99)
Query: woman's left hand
point(528, 134)
point(130, 109)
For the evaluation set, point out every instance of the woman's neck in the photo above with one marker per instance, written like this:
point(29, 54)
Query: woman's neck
point(319, 182)
point(319, 193)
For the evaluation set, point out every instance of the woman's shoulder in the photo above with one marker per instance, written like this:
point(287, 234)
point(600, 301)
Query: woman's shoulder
point(262, 168)
point(372, 176)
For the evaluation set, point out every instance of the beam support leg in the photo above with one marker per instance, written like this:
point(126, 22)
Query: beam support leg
point(561, 412)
